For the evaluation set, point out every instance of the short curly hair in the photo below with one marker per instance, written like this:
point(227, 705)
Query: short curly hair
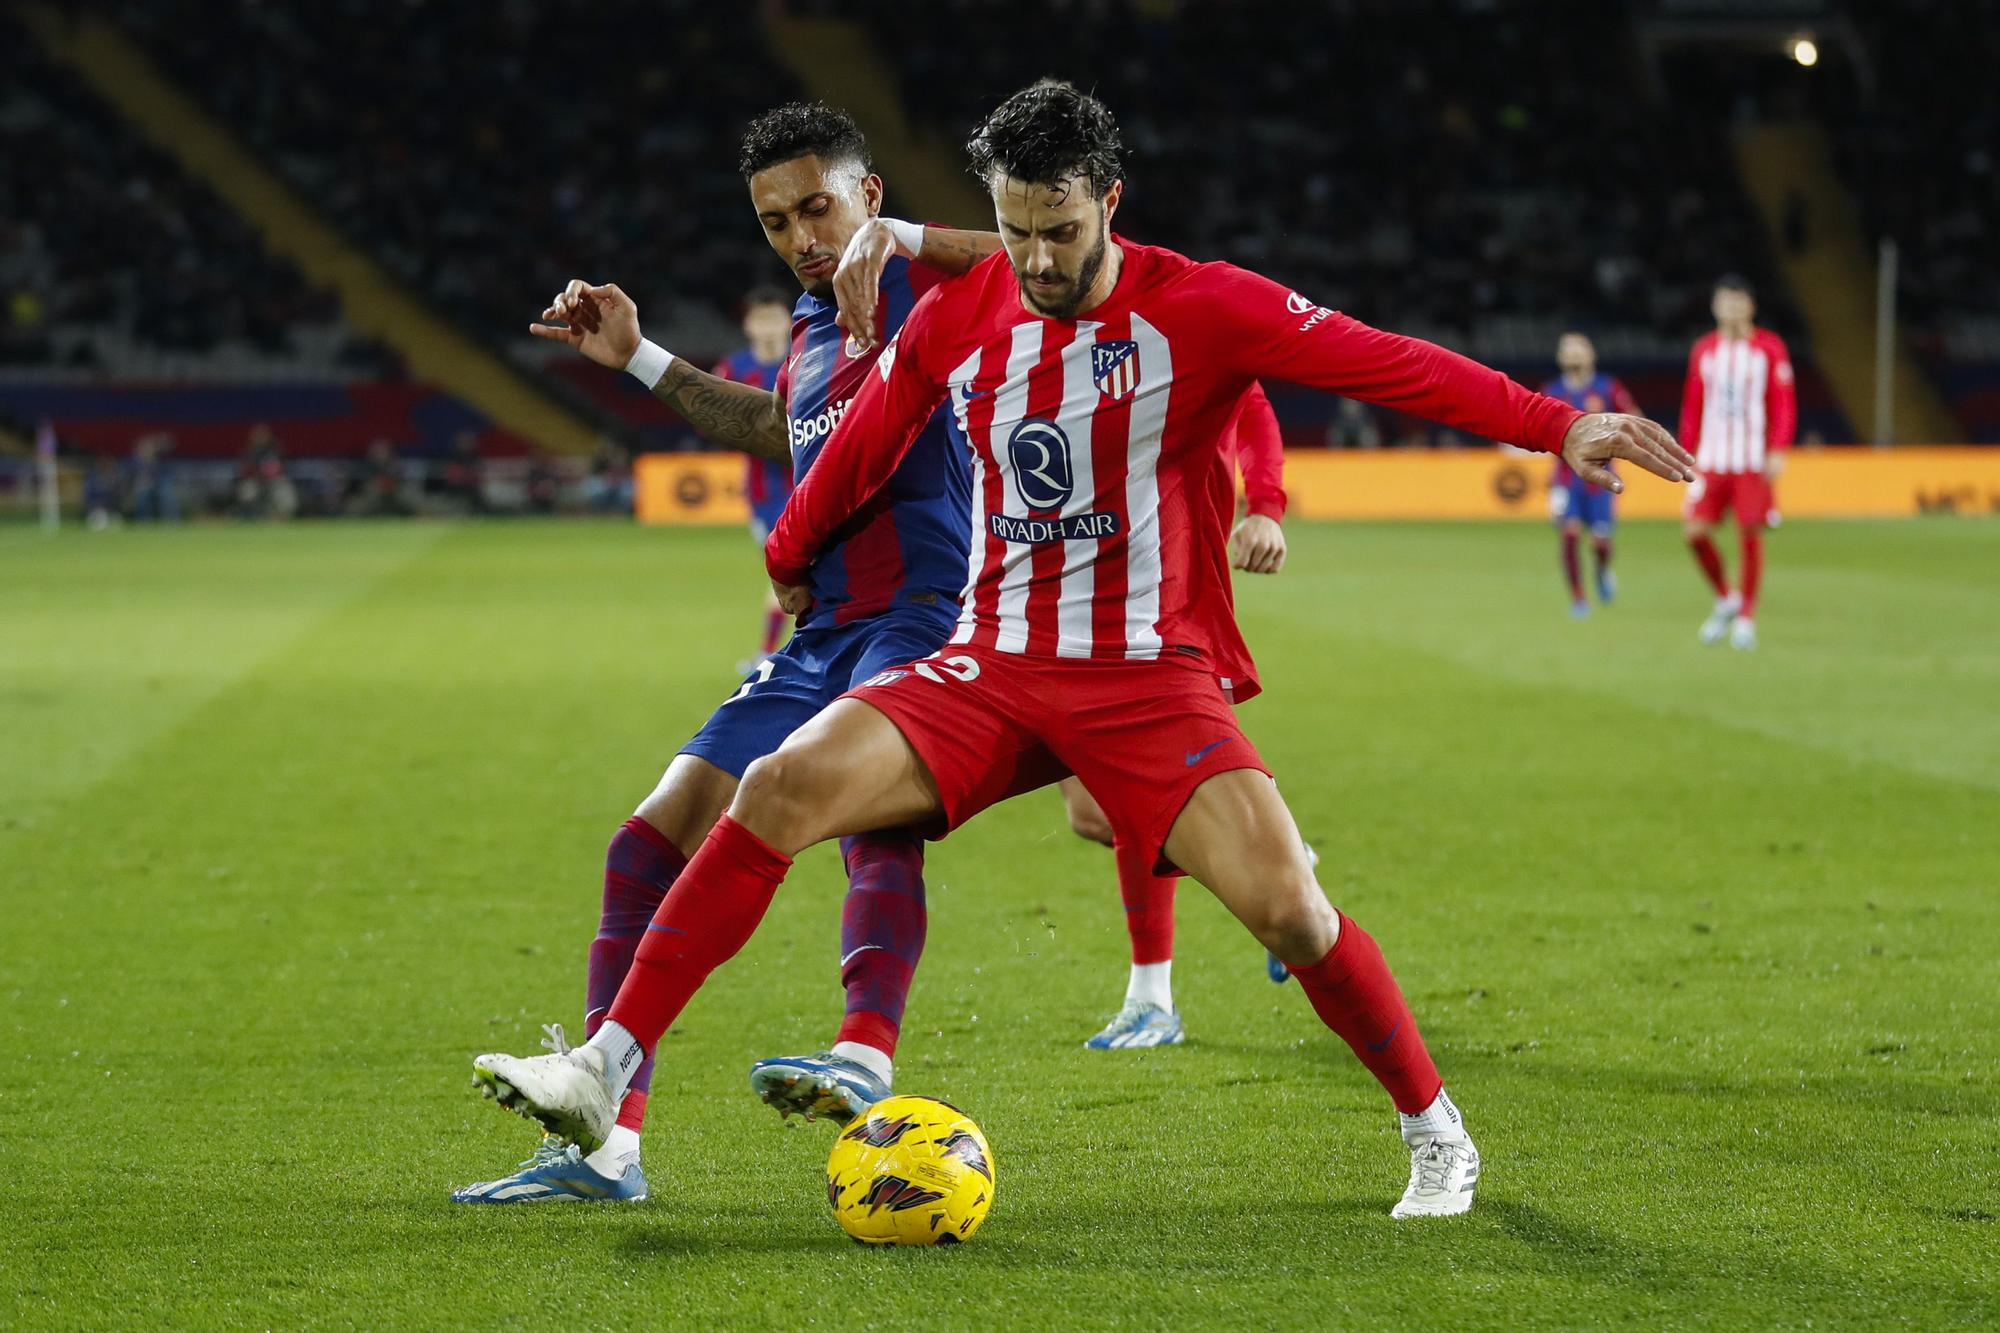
point(799, 129)
point(1046, 134)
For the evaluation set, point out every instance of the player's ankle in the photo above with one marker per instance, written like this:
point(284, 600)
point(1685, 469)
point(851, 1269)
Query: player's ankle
point(1151, 983)
point(620, 1150)
point(1439, 1120)
point(871, 1058)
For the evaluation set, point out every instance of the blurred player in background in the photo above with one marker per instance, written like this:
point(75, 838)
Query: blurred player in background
point(1149, 1016)
point(1574, 503)
point(1092, 380)
point(767, 482)
point(1738, 414)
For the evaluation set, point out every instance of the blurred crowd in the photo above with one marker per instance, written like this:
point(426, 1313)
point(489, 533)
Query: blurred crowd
point(266, 483)
point(1431, 165)
point(1483, 172)
point(104, 241)
point(487, 153)
point(1920, 147)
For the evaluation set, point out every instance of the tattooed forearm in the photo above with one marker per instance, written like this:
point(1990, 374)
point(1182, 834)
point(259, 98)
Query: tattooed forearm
point(955, 251)
point(736, 415)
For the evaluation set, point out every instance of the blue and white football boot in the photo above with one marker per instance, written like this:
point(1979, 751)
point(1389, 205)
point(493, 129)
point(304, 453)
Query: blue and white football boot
point(818, 1086)
point(558, 1173)
point(1138, 1026)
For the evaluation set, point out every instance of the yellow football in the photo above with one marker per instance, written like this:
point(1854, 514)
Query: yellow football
point(912, 1171)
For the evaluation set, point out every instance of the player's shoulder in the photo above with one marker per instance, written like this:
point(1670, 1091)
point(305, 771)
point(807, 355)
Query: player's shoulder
point(1769, 340)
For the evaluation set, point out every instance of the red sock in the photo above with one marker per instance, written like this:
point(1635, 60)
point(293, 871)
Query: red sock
point(1149, 904)
point(774, 628)
point(1710, 560)
point(1572, 567)
point(1753, 569)
point(632, 1111)
point(1354, 993)
point(708, 916)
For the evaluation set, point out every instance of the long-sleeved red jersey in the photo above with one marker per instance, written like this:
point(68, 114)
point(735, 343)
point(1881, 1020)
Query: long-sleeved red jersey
point(1098, 530)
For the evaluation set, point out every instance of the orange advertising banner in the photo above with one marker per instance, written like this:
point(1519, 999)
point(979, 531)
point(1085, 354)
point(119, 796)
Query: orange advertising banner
point(1485, 483)
point(1470, 483)
point(690, 488)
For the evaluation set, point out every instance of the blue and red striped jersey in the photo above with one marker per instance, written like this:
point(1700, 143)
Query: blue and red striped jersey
point(766, 484)
point(906, 547)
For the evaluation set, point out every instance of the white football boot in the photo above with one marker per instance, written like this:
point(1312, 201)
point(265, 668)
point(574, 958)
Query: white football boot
point(1743, 634)
point(1443, 1173)
point(568, 1093)
point(1720, 619)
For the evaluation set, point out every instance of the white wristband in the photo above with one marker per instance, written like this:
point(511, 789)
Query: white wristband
point(649, 363)
point(909, 236)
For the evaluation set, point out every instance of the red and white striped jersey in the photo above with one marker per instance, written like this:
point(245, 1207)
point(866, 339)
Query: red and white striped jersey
point(1101, 495)
point(1740, 401)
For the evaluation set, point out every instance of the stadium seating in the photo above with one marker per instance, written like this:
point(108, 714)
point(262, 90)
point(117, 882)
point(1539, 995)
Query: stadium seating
point(594, 140)
point(1925, 170)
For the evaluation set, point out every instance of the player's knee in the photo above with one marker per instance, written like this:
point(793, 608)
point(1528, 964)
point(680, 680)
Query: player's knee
point(1694, 530)
point(1297, 923)
point(778, 799)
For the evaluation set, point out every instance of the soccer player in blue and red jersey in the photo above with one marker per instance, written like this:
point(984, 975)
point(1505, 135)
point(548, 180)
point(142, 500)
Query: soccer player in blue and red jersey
point(767, 482)
point(1091, 378)
point(885, 591)
point(1574, 503)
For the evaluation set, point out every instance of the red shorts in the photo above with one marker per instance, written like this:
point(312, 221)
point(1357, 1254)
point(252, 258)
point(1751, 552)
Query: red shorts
point(989, 725)
point(1748, 493)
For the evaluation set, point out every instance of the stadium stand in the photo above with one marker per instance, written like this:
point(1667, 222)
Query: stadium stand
point(1454, 179)
point(489, 209)
point(1925, 170)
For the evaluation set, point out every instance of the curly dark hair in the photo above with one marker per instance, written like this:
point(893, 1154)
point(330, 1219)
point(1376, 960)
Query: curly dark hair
point(1046, 134)
point(797, 129)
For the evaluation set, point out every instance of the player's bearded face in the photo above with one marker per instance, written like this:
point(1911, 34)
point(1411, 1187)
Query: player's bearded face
point(1057, 239)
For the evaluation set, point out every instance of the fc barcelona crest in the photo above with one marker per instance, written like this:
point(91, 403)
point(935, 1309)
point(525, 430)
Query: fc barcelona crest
point(1114, 367)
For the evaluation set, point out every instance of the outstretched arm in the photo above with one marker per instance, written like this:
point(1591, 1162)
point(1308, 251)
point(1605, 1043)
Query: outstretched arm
point(1267, 331)
point(880, 424)
point(857, 284)
point(602, 322)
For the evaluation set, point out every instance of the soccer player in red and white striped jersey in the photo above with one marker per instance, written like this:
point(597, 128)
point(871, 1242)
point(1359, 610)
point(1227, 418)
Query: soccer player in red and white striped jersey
point(1090, 378)
point(1738, 414)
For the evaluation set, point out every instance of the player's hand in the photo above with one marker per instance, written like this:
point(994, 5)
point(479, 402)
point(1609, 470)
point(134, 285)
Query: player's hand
point(1599, 437)
point(1774, 465)
point(857, 283)
point(602, 322)
point(1257, 546)
point(794, 599)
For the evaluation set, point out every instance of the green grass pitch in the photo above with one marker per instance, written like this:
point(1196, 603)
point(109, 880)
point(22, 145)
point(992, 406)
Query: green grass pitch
point(293, 822)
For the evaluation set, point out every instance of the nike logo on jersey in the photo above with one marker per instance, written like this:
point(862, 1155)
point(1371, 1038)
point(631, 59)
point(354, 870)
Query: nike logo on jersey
point(1196, 756)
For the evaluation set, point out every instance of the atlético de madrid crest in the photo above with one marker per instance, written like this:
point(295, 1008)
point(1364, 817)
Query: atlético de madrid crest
point(1114, 367)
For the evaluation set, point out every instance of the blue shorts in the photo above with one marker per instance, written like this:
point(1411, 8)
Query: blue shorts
point(1578, 499)
point(793, 685)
